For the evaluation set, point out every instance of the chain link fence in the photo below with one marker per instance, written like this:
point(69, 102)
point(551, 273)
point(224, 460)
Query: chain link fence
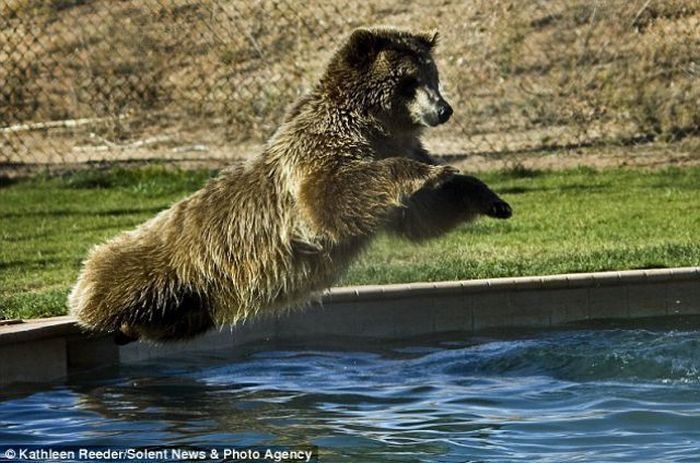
point(104, 80)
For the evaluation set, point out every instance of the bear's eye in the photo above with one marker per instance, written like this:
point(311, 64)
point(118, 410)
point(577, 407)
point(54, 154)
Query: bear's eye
point(407, 86)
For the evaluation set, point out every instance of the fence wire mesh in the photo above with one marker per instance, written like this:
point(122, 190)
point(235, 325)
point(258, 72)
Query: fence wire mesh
point(105, 80)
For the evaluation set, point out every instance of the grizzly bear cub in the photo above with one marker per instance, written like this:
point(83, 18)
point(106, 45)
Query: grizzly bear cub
point(346, 163)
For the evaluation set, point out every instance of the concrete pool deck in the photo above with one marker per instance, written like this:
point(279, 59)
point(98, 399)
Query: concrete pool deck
point(50, 349)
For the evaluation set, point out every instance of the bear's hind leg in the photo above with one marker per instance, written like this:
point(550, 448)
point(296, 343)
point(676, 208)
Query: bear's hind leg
point(183, 316)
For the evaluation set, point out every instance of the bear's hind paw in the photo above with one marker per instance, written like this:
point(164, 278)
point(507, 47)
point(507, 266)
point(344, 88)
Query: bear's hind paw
point(125, 335)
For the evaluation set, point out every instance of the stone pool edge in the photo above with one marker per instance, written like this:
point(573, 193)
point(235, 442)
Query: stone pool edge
point(49, 349)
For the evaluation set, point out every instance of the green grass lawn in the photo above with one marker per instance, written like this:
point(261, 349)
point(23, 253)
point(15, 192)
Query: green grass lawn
point(570, 221)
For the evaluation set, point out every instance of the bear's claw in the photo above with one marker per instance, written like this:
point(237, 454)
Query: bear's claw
point(499, 209)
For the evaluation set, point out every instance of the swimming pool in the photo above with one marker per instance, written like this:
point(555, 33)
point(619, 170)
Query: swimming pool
point(549, 396)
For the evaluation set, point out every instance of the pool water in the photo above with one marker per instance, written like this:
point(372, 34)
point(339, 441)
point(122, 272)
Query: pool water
point(594, 396)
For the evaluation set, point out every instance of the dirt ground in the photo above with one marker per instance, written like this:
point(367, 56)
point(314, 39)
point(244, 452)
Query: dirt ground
point(650, 156)
point(654, 155)
point(539, 84)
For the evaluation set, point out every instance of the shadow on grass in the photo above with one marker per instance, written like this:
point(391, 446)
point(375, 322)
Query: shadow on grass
point(33, 263)
point(8, 181)
point(73, 213)
point(536, 189)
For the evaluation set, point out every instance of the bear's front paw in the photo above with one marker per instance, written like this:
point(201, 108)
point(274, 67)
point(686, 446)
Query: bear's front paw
point(499, 209)
point(439, 175)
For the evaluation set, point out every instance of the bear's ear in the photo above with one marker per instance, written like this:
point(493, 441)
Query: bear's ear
point(362, 47)
point(435, 39)
point(430, 39)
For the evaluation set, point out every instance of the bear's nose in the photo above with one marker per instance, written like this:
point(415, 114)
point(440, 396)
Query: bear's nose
point(444, 112)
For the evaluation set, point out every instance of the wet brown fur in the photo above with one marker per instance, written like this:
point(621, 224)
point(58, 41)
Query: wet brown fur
point(262, 237)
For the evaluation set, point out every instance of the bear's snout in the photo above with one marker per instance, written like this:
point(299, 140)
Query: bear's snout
point(444, 112)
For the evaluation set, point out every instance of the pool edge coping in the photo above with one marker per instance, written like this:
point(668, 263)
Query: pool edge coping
point(380, 311)
point(40, 328)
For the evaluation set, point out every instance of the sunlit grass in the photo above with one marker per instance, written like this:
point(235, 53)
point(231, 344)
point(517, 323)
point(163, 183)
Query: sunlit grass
point(568, 221)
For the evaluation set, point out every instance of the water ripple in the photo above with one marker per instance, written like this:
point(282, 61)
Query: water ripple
point(608, 395)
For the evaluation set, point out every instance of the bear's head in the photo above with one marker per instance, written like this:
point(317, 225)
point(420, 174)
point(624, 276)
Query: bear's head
point(390, 74)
